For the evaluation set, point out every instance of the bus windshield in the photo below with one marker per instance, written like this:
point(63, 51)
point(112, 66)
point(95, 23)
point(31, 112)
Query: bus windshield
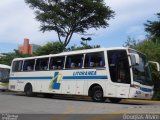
point(4, 75)
point(141, 72)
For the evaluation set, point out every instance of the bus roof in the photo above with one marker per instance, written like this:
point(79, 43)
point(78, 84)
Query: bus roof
point(73, 52)
point(4, 66)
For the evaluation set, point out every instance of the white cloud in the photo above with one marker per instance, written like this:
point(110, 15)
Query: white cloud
point(131, 11)
point(5, 3)
point(17, 21)
point(140, 37)
point(135, 30)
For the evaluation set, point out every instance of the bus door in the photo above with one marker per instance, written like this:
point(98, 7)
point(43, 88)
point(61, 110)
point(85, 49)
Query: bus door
point(119, 72)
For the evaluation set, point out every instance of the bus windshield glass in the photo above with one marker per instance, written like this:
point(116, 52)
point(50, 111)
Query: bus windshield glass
point(4, 75)
point(141, 72)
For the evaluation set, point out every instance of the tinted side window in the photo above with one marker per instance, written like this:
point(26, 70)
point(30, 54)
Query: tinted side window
point(94, 60)
point(74, 61)
point(42, 64)
point(56, 63)
point(17, 66)
point(28, 65)
point(4, 75)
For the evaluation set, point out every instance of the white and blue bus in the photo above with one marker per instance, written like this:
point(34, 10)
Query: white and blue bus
point(4, 77)
point(113, 73)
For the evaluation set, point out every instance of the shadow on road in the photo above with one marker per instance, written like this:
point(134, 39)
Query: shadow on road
point(79, 98)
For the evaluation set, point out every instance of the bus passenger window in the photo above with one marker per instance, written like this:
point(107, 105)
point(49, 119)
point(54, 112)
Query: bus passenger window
point(56, 63)
point(74, 61)
point(94, 60)
point(28, 65)
point(17, 66)
point(42, 64)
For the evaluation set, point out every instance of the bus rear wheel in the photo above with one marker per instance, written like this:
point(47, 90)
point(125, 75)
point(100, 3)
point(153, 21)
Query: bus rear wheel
point(3, 90)
point(115, 100)
point(97, 94)
point(28, 90)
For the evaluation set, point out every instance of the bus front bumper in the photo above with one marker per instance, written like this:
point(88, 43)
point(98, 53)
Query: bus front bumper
point(140, 94)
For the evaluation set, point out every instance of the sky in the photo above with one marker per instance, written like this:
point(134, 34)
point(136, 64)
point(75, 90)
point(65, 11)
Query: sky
point(17, 21)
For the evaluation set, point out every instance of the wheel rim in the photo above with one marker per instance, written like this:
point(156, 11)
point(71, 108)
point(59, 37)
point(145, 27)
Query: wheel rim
point(29, 91)
point(98, 95)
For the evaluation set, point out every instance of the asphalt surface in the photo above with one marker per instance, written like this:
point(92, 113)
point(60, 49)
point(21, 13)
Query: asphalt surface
point(18, 103)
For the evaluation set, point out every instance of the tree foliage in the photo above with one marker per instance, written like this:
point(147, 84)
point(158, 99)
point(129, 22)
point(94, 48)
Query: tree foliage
point(84, 45)
point(7, 59)
point(153, 29)
point(131, 43)
point(152, 52)
point(84, 41)
point(70, 16)
point(50, 48)
point(151, 48)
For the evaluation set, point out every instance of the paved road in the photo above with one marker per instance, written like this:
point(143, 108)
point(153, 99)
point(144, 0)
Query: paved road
point(17, 103)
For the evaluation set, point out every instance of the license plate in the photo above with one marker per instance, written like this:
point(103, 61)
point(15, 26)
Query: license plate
point(146, 95)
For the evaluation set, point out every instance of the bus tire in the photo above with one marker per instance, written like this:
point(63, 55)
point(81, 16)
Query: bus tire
point(3, 90)
point(97, 94)
point(47, 95)
point(115, 100)
point(28, 90)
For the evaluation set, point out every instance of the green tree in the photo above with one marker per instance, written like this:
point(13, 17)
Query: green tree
point(85, 40)
point(152, 52)
point(70, 16)
point(131, 42)
point(73, 48)
point(153, 29)
point(50, 48)
point(150, 49)
point(84, 45)
point(7, 59)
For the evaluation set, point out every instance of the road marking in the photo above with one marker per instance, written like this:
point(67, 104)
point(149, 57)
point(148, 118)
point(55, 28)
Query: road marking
point(104, 117)
point(144, 101)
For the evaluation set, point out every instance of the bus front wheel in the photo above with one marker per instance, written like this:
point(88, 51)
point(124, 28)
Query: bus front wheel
point(97, 94)
point(28, 90)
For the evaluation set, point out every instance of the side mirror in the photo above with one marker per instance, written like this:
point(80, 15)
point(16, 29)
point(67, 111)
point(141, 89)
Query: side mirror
point(135, 60)
point(157, 64)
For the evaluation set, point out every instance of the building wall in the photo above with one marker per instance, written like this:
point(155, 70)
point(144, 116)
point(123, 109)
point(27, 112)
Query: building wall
point(26, 48)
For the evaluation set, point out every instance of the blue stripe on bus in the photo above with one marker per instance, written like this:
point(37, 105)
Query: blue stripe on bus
point(25, 78)
point(64, 77)
point(85, 77)
point(145, 89)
